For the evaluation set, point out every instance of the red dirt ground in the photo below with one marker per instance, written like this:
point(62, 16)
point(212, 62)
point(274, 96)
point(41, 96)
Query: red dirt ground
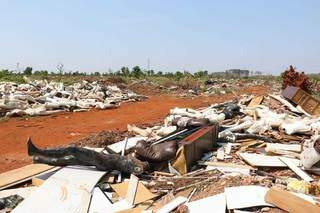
point(65, 128)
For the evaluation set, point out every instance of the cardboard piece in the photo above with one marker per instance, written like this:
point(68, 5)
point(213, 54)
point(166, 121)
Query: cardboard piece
point(289, 202)
point(216, 203)
point(68, 190)
point(23, 174)
point(246, 196)
point(142, 193)
point(259, 160)
point(296, 170)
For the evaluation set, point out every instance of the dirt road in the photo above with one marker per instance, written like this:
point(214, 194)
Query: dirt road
point(68, 127)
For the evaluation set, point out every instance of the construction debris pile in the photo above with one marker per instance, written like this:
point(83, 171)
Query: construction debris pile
point(38, 97)
point(252, 154)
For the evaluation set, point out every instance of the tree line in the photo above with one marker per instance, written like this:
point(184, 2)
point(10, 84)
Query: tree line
point(135, 72)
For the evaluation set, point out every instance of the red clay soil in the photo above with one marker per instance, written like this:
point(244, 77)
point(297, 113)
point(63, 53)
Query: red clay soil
point(65, 128)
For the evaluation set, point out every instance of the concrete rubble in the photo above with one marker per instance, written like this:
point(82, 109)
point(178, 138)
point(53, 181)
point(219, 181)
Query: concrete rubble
point(250, 154)
point(39, 97)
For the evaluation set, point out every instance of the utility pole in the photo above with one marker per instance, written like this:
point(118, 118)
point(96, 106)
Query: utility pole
point(148, 64)
point(18, 69)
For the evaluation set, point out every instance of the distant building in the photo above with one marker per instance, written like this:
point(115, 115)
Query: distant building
point(237, 73)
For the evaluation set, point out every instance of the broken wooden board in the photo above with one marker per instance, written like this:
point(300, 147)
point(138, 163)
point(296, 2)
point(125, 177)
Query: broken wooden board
point(142, 193)
point(117, 147)
point(99, 202)
point(132, 189)
point(220, 154)
point(68, 190)
point(216, 203)
point(290, 202)
point(286, 147)
point(228, 148)
point(223, 164)
point(255, 101)
point(21, 175)
point(23, 192)
point(245, 196)
point(259, 160)
point(244, 171)
point(172, 205)
point(296, 170)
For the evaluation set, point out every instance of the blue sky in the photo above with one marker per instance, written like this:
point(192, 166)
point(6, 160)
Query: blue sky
point(265, 35)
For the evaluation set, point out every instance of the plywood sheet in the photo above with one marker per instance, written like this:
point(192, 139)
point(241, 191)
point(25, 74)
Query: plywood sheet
point(22, 174)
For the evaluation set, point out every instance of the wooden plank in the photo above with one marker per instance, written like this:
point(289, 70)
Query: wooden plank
point(216, 203)
point(259, 160)
point(286, 147)
point(132, 189)
point(289, 202)
point(243, 171)
point(21, 175)
point(223, 164)
point(172, 205)
point(296, 170)
point(68, 190)
point(245, 196)
point(255, 101)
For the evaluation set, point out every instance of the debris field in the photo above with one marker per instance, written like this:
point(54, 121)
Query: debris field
point(245, 154)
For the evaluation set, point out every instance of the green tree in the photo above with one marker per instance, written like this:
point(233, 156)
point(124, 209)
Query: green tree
point(28, 71)
point(159, 73)
point(179, 74)
point(125, 71)
point(136, 72)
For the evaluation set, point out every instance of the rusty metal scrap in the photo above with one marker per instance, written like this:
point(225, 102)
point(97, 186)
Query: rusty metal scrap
point(291, 77)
